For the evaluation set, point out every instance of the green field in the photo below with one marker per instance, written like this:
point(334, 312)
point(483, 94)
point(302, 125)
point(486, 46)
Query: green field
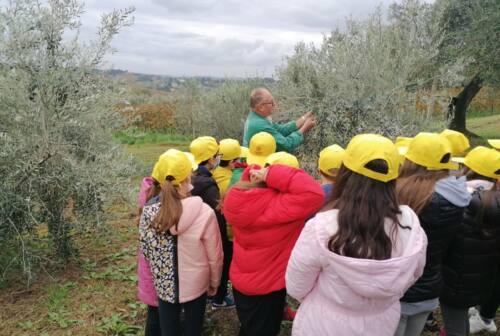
point(488, 127)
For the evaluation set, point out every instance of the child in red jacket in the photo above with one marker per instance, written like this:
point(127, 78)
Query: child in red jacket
point(267, 209)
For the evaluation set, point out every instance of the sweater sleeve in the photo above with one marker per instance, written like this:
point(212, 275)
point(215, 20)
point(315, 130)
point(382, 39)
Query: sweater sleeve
point(287, 137)
point(286, 143)
point(298, 197)
point(286, 129)
point(146, 238)
point(213, 248)
point(303, 266)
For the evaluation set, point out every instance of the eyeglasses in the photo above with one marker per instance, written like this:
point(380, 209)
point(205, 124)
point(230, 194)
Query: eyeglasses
point(267, 103)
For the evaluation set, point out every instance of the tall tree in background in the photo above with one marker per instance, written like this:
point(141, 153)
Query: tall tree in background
point(471, 33)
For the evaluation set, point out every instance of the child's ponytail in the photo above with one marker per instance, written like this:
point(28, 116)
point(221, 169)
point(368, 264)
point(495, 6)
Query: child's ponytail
point(170, 209)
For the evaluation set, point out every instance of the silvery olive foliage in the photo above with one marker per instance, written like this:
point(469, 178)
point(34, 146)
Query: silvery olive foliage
point(58, 164)
point(218, 112)
point(374, 75)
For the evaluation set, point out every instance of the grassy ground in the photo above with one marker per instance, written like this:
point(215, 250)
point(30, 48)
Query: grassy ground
point(488, 127)
point(137, 137)
point(96, 294)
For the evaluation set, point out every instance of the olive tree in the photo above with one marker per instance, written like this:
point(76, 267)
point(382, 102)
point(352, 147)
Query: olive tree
point(370, 76)
point(471, 33)
point(58, 163)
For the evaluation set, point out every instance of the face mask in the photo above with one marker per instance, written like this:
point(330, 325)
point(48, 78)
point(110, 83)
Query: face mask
point(217, 161)
point(189, 187)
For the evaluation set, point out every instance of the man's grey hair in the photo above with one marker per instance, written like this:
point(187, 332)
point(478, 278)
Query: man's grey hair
point(257, 95)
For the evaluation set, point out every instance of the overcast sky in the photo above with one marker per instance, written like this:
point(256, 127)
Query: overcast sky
point(219, 37)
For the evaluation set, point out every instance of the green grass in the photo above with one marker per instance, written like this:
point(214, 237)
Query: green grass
point(149, 153)
point(137, 137)
point(482, 113)
point(487, 127)
point(57, 295)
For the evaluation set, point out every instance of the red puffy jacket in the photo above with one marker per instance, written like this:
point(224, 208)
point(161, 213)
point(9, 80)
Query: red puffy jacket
point(266, 224)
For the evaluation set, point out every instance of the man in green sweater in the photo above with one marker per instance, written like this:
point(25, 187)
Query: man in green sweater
point(288, 136)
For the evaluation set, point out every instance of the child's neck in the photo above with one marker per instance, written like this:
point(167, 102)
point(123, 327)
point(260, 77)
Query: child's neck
point(325, 180)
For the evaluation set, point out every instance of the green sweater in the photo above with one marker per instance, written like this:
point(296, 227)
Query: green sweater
point(287, 136)
point(237, 172)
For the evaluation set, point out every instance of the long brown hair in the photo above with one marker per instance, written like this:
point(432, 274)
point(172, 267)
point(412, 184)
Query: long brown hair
point(170, 207)
point(363, 205)
point(415, 185)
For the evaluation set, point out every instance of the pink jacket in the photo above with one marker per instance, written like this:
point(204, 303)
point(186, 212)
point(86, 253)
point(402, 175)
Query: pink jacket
point(199, 250)
point(347, 296)
point(146, 289)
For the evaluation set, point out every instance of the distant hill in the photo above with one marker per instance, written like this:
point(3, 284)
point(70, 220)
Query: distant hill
point(168, 83)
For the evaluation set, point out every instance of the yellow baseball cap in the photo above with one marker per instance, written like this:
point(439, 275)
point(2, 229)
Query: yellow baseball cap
point(428, 150)
point(495, 143)
point(364, 148)
point(261, 146)
point(203, 148)
point(283, 158)
point(229, 149)
point(191, 159)
point(172, 163)
point(484, 161)
point(244, 152)
point(459, 142)
point(402, 144)
point(188, 154)
point(330, 158)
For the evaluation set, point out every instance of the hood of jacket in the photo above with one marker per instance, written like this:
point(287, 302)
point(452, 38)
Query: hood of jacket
point(454, 190)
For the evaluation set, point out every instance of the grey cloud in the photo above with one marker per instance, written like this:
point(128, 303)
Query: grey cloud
point(189, 7)
point(202, 50)
point(175, 37)
point(293, 14)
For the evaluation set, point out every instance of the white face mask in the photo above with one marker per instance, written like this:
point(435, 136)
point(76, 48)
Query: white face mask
point(217, 162)
point(186, 186)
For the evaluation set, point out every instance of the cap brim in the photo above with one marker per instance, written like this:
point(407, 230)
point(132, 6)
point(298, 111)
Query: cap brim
point(495, 143)
point(244, 152)
point(450, 166)
point(191, 159)
point(458, 159)
point(256, 159)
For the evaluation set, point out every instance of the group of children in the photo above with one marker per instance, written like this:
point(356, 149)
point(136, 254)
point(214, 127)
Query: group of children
point(391, 231)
